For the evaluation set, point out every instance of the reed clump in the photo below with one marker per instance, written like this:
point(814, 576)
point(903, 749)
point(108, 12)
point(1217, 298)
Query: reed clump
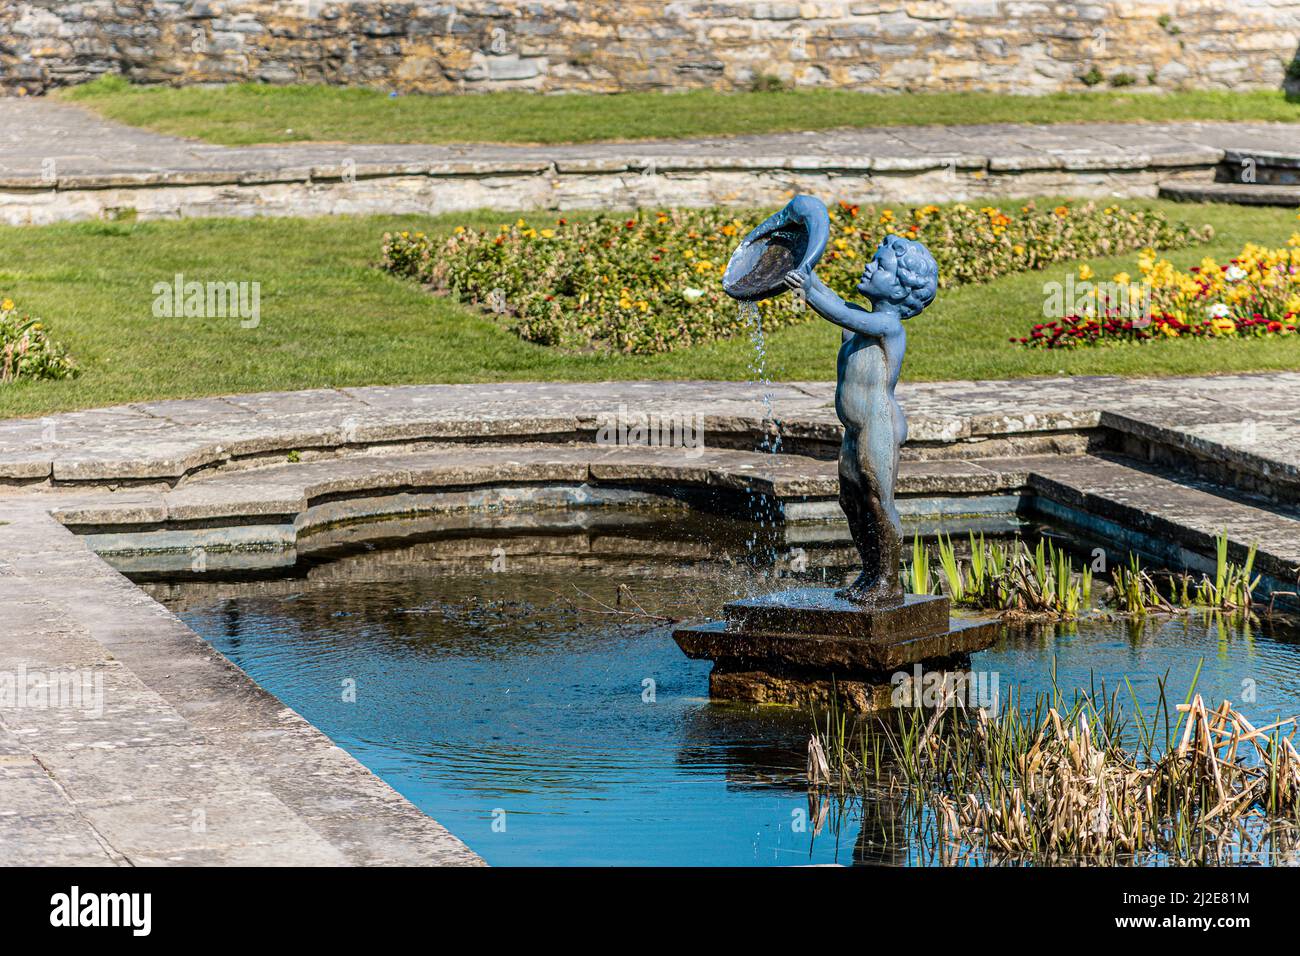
point(1055, 782)
point(1045, 583)
point(1005, 576)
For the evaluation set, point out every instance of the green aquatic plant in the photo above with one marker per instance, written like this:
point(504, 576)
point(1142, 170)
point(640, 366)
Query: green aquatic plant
point(1232, 585)
point(955, 585)
point(1007, 576)
point(1045, 581)
point(1134, 591)
point(919, 579)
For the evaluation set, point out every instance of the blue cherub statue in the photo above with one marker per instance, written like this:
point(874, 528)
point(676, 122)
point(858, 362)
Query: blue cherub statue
point(899, 281)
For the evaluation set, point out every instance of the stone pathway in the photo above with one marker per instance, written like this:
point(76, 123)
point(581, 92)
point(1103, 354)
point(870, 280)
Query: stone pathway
point(59, 161)
point(158, 751)
point(179, 758)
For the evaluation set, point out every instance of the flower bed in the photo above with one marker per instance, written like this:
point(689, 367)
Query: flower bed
point(26, 351)
point(651, 282)
point(1254, 294)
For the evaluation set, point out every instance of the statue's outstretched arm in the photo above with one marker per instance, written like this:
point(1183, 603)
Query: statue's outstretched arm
point(830, 306)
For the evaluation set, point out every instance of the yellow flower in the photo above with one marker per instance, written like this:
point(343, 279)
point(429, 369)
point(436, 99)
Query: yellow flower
point(7, 305)
point(1120, 278)
point(548, 233)
point(1085, 272)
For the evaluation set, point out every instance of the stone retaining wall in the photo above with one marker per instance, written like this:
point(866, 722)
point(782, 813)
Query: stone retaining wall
point(606, 45)
point(435, 192)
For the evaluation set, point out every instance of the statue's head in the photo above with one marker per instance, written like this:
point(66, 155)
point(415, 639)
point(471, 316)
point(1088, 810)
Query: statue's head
point(903, 273)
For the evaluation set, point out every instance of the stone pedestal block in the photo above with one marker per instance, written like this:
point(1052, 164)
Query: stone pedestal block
point(809, 646)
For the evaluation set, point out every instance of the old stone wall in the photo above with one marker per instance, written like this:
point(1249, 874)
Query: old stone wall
point(1016, 46)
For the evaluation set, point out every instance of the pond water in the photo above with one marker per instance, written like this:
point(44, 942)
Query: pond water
point(514, 690)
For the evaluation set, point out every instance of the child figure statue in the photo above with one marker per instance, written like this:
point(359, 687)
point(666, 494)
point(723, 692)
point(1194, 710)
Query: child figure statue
point(899, 281)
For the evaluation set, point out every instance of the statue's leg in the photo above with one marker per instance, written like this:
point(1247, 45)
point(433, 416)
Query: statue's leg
point(891, 526)
point(880, 535)
point(853, 495)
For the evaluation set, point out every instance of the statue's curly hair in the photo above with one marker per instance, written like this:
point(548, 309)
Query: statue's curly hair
point(918, 273)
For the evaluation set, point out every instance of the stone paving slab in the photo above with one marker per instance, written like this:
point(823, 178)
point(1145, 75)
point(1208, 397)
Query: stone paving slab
point(1245, 417)
point(83, 165)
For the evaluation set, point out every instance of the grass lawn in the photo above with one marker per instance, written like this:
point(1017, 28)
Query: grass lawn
point(330, 319)
point(251, 113)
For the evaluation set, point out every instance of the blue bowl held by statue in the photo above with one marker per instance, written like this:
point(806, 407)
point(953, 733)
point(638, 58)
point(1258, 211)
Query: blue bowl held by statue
point(789, 240)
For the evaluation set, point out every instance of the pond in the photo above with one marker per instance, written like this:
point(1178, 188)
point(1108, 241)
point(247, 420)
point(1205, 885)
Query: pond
point(520, 689)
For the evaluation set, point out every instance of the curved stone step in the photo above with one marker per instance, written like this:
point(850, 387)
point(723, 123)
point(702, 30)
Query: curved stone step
point(1261, 166)
point(269, 506)
point(1240, 194)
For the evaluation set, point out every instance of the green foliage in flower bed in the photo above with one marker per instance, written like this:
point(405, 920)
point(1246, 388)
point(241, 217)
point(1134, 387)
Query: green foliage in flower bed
point(26, 350)
point(650, 282)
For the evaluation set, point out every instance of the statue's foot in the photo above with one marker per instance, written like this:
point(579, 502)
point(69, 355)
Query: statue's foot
point(873, 593)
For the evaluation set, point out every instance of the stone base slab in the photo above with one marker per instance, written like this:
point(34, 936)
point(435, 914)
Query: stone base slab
point(850, 656)
point(820, 611)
